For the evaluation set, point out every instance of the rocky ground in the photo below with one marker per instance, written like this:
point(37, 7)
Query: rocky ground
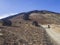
point(16, 36)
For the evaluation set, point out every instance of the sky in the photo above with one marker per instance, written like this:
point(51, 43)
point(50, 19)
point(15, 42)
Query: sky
point(11, 7)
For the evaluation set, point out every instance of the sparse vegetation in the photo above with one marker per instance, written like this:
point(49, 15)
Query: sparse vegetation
point(26, 17)
point(35, 23)
point(1, 22)
point(20, 22)
point(7, 23)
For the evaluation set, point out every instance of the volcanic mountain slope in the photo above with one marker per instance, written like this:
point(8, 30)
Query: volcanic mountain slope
point(25, 29)
point(42, 17)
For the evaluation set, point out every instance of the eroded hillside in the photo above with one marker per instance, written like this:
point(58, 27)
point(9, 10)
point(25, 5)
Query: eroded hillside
point(25, 28)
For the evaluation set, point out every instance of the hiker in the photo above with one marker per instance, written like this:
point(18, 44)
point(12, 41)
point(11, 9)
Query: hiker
point(48, 26)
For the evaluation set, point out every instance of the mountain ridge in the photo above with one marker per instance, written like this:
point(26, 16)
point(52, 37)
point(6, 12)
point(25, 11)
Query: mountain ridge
point(29, 12)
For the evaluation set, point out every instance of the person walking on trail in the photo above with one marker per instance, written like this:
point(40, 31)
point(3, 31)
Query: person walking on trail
point(48, 26)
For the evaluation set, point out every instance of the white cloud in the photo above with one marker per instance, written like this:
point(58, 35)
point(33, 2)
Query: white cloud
point(6, 15)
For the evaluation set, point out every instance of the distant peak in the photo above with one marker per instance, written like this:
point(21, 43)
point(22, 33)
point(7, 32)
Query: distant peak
point(42, 12)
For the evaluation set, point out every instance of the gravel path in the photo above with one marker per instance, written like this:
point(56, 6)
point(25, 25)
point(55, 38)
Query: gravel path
point(54, 35)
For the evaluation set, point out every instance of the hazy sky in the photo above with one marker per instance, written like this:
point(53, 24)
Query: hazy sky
point(8, 7)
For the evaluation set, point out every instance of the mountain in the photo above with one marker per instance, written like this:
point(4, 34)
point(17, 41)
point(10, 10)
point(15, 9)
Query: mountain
point(25, 29)
point(42, 17)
